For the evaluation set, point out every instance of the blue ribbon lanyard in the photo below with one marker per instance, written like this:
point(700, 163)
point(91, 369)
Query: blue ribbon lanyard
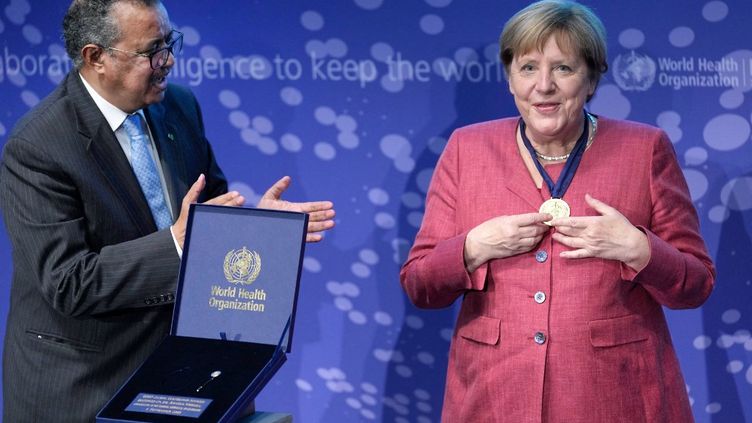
point(567, 174)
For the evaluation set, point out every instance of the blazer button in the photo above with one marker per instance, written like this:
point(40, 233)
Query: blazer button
point(539, 338)
point(540, 297)
point(541, 256)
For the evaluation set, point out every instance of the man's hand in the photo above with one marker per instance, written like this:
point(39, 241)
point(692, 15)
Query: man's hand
point(320, 213)
point(232, 198)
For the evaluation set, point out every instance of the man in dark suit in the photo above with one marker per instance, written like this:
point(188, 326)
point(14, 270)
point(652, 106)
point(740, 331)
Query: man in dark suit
point(94, 212)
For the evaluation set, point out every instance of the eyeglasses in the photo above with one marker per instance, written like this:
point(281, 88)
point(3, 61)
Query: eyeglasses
point(159, 57)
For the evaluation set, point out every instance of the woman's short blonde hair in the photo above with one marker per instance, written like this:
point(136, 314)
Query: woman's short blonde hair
point(575, 27)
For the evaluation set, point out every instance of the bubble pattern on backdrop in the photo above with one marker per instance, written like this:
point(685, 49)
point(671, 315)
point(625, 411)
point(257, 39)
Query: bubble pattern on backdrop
point(360, 116)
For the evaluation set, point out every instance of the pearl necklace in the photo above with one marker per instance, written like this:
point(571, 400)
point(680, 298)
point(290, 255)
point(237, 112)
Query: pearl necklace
point(593, 123)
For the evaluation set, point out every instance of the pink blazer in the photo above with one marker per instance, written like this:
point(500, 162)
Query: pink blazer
point(545, 339)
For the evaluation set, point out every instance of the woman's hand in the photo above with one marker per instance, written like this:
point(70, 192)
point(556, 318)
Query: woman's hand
point(504, 236)
point(608, 236)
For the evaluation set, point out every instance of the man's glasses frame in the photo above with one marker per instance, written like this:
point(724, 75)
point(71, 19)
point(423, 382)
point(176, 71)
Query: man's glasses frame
point(159, 57)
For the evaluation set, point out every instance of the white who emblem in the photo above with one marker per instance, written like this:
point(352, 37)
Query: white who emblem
point(634, 71)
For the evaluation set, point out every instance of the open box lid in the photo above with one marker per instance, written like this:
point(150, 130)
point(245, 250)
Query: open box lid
point(239, 274)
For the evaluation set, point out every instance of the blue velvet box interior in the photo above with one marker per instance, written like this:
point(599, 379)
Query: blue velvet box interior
point(234, 314)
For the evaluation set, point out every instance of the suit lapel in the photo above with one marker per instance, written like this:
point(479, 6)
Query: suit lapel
point(165, 133)
point(107, 153)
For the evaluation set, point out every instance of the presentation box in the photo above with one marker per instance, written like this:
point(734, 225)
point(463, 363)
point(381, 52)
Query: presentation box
point(233, 319)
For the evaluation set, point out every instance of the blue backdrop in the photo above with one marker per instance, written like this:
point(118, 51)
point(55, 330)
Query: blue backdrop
point(355, 100)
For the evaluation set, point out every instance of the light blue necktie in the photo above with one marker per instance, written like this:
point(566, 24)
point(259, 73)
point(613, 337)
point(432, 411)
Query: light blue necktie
point(146, 171)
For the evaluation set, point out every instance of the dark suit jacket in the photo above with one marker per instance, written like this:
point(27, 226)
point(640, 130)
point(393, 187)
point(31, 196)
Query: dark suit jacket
point(93, 279)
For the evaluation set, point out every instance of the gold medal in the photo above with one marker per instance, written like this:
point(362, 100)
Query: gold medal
point(556, 207)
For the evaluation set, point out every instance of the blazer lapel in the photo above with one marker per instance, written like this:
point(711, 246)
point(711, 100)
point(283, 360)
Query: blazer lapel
point(516, 175)
point(107, 153)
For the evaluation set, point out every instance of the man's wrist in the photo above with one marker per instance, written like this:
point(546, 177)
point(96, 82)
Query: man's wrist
point(177, 245)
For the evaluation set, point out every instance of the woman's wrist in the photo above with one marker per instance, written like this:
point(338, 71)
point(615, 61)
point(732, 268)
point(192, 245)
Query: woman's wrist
point(638, 251)
point(471, 254)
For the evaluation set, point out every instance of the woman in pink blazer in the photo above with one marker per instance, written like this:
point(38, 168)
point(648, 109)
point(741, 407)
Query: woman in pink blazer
point(565, 234)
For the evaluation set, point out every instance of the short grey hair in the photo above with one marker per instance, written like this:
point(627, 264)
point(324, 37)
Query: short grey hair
point(91, 22)
point(573, 25)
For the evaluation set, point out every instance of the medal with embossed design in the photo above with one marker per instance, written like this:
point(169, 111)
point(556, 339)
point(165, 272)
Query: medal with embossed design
point(556, 207)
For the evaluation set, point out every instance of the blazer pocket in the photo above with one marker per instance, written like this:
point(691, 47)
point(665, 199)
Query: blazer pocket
point(485, 330)
point(618, 331)
point(64, 342)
